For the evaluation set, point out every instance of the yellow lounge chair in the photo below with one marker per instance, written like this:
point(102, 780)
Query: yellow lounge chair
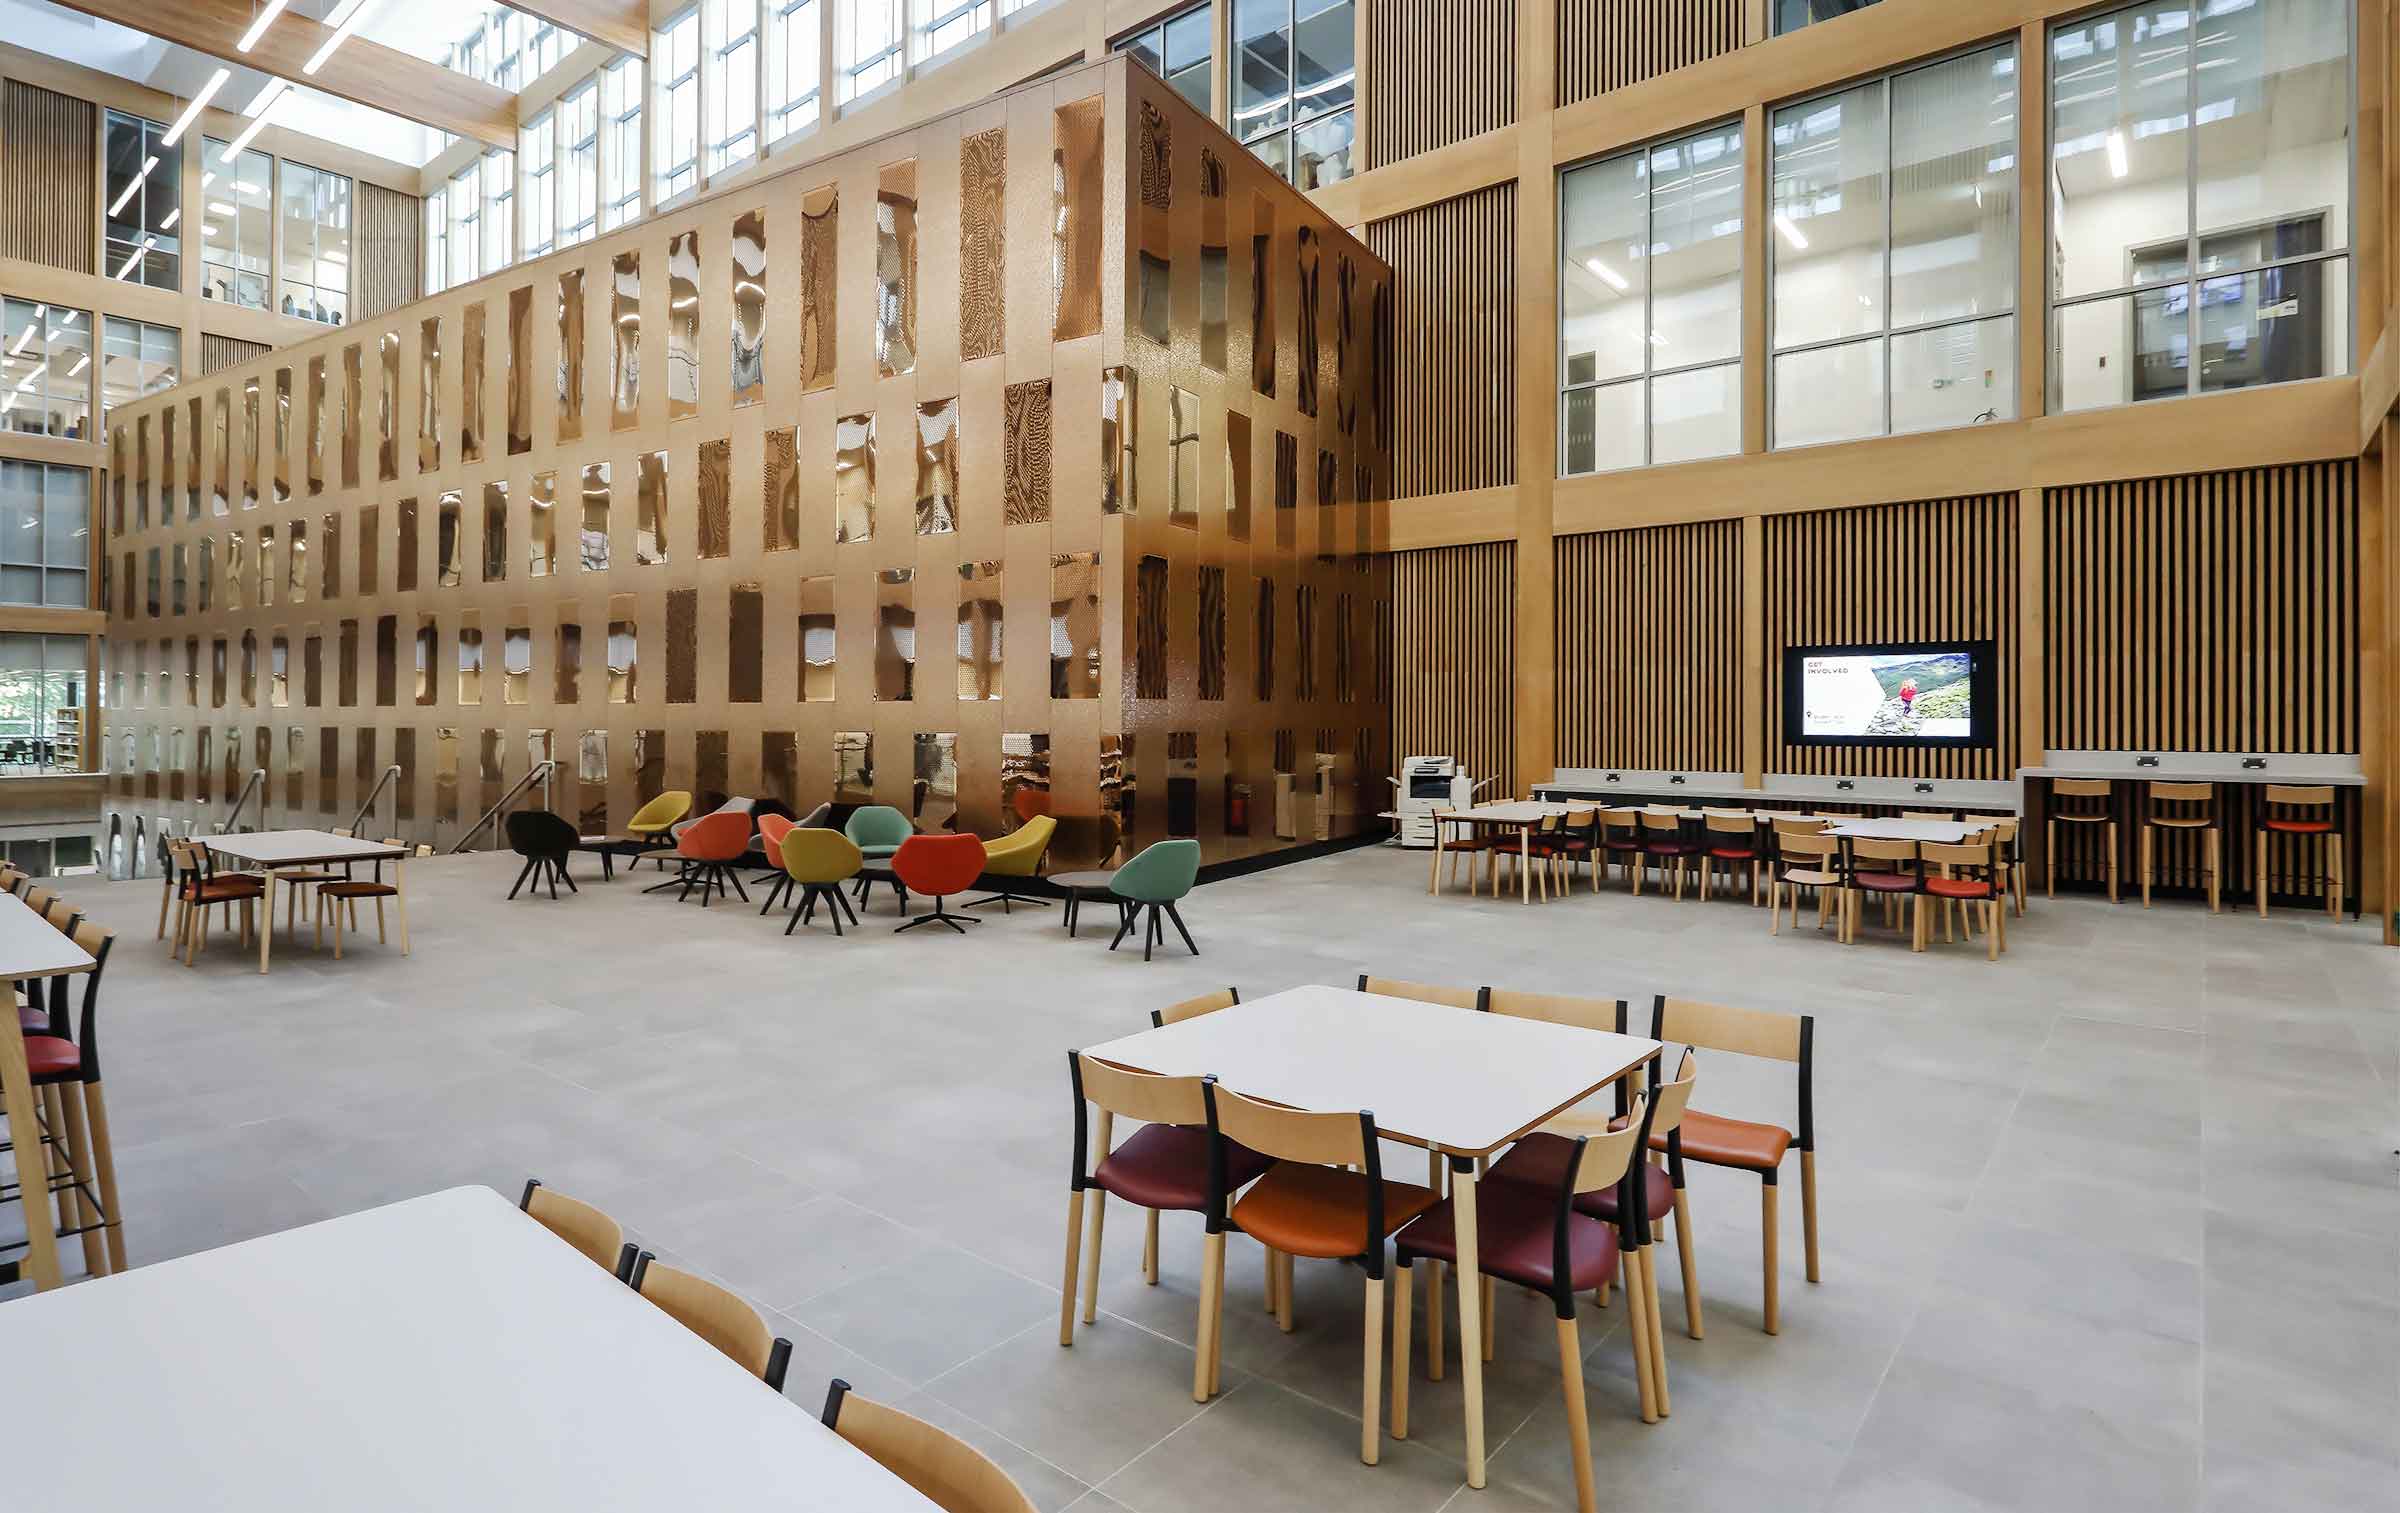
point(648, 829)
point(1016, 854)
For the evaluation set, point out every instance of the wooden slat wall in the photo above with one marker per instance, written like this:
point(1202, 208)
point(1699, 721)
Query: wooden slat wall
point(1454, 662)
point(220, 352)
point(1608, 44)
point(51, 142)
point(2208, 612)
point(1448, 69)
point(1931, 570)
point(1650, 648)
point(1457, 341)
point(386, 248)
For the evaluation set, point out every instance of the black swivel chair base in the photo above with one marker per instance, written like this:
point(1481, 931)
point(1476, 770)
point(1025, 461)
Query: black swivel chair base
point(550, 868)
point(805, 906)
point(1152, 934)
point(939, 916)
point(707, 877)
point(1005, 897)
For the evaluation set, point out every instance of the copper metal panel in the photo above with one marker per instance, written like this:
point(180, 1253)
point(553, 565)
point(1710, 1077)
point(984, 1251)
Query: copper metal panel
point(1075, 587)
point(683, 325)
point(981, 613)
point(570, 354)
point(933, 789)
point(745, 645)
point(449, 547)
point(470, 383)
point(781, 490)
point(854, 478)
point(650, 510)
point(283, 441)
point(1080, 166)
point(820, 223)
point(1027, 490)
point(520, 370)
point(541, 526)
point(1150, 628)
point(495, 531)
point(853, 767)
point(592, 536)
point(1117, 476)
point(1305, 239)
point(982, 243)
point(625, 341)
point(896, 268)
point(429, 395)
point(716, 497)
point(315, 466)
point(683, 645)
point(937, 467)
point(819, 641)
point(1212, 634)
point(749, 308)
point(895, 633)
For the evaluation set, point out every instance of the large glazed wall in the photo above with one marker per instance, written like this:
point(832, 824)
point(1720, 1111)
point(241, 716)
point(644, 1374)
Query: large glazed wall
point(859, 506)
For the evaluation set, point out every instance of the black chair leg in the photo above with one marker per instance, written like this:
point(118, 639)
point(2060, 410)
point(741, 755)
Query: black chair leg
point(840, 904)
point(1150, 932)
point(551, 870)
point(1180, 930)
point(1124, 926)
point(521, 876)
point(559, 865)
point(793, 923)
point(735, 878)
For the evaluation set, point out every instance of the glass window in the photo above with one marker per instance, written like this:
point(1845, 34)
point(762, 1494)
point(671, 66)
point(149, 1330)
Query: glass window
point(944, 24)
point(45, 520)
point(2200, 222)
point(795, 27)
point(136, 358)
point(1791, 15)
point(866, 46)
point(1294, 79)
point(578, 128)
point(42, 713)
point(1179, 49)
point(536, 150)
point(621, 157)
point(1650, 285)
point(676, 50)
point(436, 216)
point(730, 31)
point(236, 224)
point(316, 244)
point(45, 368)
point(499, 210)
point(465, 196)
point(145, 203)
point(1894, 245)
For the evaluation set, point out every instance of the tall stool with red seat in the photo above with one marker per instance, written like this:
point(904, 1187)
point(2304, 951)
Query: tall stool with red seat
point(2305, 812)
point(66, 1078)
point(939, 866)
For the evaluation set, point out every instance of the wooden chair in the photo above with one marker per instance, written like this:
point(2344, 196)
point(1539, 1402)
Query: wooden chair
point(1532, 850)
point(1576, 839)
point(1327, 1199)
point(1810, 859)
point(1621, 843)
point(1888, 869)
point(1193, 1008)
point(1456, 998)
point(2185, 807)
point(199, 887)
point(62, 1056)
point(715, 1315)
point(2080, 801)
point(2304, 812)
point(346, 893)
point(1939, 816)
point(1800, 824)
point(1714, 1140)
point(598, 1236)
point(1962, 875)
point(2006, 860)
point(1732, 840)
point(1461, 841)
point(947, 1471)
point(1664, 845)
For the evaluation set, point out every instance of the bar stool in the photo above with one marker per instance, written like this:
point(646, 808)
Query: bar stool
point(2277, 817)
point(2090, 806)
point(2185, 807)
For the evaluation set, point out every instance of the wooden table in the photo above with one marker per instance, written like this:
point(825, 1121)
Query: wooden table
point(442, 1352)
point(31, 948)
point(1524, 818)
point(1460, 1083)
point(1938, 832)
point(270, 849)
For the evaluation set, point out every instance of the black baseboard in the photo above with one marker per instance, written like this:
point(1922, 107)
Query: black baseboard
point(1243, 866)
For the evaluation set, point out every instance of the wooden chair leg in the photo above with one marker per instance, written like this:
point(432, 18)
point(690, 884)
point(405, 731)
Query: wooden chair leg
point(1808, 1209)
point(1274, 1278)
point(2259, 887)
point(1215, 1261)
point(2334, 882)
point(2112, 862)
point(1066, 1291)
point(104, 1166)
point(1579, 1426)
point(1212, 1317)
point(1690, 1264)
point(1991, 930)
point(1091, 1252)
point(1370, 1429)
point(2216, 853)
point(1767, 1250)
point(1283, 1292)
point(83, 1160)
point(2050, 867)
point(62, 1110)
point(1150, 1246)
point(1637, 1332)
point(1656, 1330)
point(1404, 1308)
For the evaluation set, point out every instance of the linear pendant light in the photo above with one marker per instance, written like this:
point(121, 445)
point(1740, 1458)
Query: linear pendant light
point(341, 34)
point(191, 112)
point(258, 28)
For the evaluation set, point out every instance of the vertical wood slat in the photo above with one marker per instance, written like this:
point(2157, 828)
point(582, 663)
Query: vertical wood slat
point(385, 250)
point(1448, 66)
point(221, 352)
point(51, 143)
point(1456, 319)
point(1608, 44)
point(1454, 663)
point(2208, 612)
point(1649, 632)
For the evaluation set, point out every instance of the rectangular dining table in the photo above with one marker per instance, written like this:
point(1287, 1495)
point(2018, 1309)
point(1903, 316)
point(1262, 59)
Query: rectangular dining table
point(441, 1352)
point(1522, 817)
point(1937, 832)
point(1459, 1082)
point(268, 850)
point(31, 948)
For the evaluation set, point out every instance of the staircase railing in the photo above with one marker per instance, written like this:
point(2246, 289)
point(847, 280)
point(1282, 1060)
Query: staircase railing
point(390, 775)
point(258, 780)
point(541, 770)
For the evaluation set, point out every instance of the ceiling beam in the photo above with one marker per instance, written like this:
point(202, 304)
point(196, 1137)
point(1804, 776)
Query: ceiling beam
point(621, 24)
point(362, 72)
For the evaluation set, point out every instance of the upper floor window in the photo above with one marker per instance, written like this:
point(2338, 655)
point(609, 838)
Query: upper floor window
point(2200, 171)
point(1791, 15)
point(1180, 50)
point(316, 244)
point(537, 150)
point(577, 123)
point(944, 24)
point(145, 203)
point(45, 368)
point(45, 534)
point(1894, 247)
point(436, 215)
point(676, 50)
point(621, 152)
point(499, 210)
point(794, 32)
point(136, 358)
point(866, 46)
point(465, 197)
point(1650, 304)
point(731, 35)
point(236, 225)
point(1294, 79)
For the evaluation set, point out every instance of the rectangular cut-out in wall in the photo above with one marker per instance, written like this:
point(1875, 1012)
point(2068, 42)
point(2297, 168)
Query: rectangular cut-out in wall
point(470, 383)
point(194, 435)
point(1237, 475)
point(279, 673)
point(1345, 652)
point(470, 658)
point(937, 467)
point(541, 526)
point(625, 342)
point(854, 478)
point(749, 308)
point(623, 650)
point(329, 770)
point(1306, 245)
point(1024, 777)
point(516, 664)
point(980, 614)
point(519, 376)
point(710, 769)
point(345, 670)
point(1154, 297)
point(387, 660)
point(820, 223)
point(780, 486)
point(429, 641)
point(495, 532)
point(896, 633)
point(566, 664)
point(1075, 625)
point(570, 355)
point(649, 760)
point(282, 442)
point(370, 550)
point(933, 791)
point(1304, 603)
point(1262, 642)
point(591, 546)
point(250, 443)
point(449, 549)
point(819, 642)
point(896, 268)
point(745, 644)
point(220, 446)
point(1212, 633)
point(354, 411)
point(1183, 458)
point(683, 645)
point(237, 570)
point(312, 669)
point(1262, 295)
point(683, 325)
point(1150, 628)
point(1026, 491)
point(716, 497)
point(1079, 166)
point(650, 511)
point(329, 552)
point(591, 775)
point(853, 767)
point(445, 774)
point(314, 469)
point(982, 243)
point(429, 394)
point(295, 581)
point(1116, 441)
point(779, 768)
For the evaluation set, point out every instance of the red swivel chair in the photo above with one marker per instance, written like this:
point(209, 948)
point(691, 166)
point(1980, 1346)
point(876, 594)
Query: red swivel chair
point(938, 866)
point(772, 828)
point(707, 850)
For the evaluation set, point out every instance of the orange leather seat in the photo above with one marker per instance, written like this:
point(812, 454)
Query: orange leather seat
point(1734, 853)
point(1730, 1142)
point(226, 887)
point(2301, 827)
point(1321, 1211)
point(1958, 887)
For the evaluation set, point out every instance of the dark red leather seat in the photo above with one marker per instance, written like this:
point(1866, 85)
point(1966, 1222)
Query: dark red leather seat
point(1539, 1164)
point(49, 1056)
point(1166, 1166)
point(1515, 1231)
point(2301, 827)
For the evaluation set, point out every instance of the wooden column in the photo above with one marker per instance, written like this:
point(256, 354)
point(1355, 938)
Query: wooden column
point(2033, 222)
point(1756, 233)
point(2379, 712)
point(2371, 216)
point(2033, 745)
point(1754, 649)
point(1537, 396)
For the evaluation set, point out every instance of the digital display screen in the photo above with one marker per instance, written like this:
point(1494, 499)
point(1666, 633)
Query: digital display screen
point(1898, 695)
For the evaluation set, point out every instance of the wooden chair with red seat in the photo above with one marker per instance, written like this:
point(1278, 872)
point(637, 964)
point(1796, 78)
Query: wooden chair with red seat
point(706, 852)
point(939, 867)
point(1665, 845)
point(1169, 1164)
point(1963, 875)
point(1620, 844)
point(1732, 839)
point(200, 887)
point(1460, 841)
point(772, 828)
point(1576, 838)
point(2185, 808)
point(1890, 871)
point(1528, 850)
point(344, 897)
point(1325, 1199)
point(2304, 812)
point(1743, 1145)
point(63, 1061)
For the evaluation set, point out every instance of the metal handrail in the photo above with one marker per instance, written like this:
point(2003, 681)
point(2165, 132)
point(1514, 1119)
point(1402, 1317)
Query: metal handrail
point(541, 770)
point(258, 780)
point(374, 793)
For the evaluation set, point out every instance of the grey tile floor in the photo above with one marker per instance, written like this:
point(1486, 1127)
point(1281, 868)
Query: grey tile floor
point(2113, 1224)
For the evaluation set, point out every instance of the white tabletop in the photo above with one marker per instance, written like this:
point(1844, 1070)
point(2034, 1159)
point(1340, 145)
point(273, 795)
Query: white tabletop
point(1940, 832)
point(277, 848)
point(1507, 814)
point(30, 946)
point(1465, 1081)
point(441, 1353)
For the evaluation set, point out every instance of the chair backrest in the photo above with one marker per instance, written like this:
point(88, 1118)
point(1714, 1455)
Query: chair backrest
point(1929, 814)
point(1393, 987)
point(1581, 819)
point(939, 865)
point(660, 812)
point(37, 898)
point(2081, 798)
point(599, 1237)
point(717, 1316)
point(878, 825)
point(1811, 844)
point(1290, 1134)
point(1551, 1008)
point(716, 837)
point(1764, 1033)
point(1670, 1098)
point(1662, 821)
point(344, 831)
point(947, 1471)
point(819, 856)
point(1193, 1008)
point(1620, 819)
point(1732, 824)
point(1974, 856)
point(61, 915)
point(1865, 848)
point(1799, 824)
point(538, 832)
point(1136, 1095)
point(2298, 795)
point(1164, 872)
point(817, 818)
point(1603, 1157)
point(772, 828)
point(2184, 800)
